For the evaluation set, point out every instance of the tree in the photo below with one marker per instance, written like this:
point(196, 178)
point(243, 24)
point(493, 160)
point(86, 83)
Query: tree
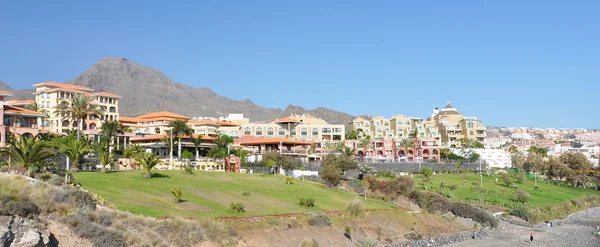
point(148, 161)
point(465, 142)
point(243, 154)
point(541, 151)
point(167, 142)
point(34, 106)
point(352, 135)
point(331, 174)
point(104, 155)
point(177, 193)
point(348, 151)
point(477, 144)
point(77, 109)
point(30, 152)
point(579, 165)
point(364, 184)
point(180, 129)
point(197, 142)
point(221, 147)
point(513, 149)
point(345, 163)
point(186, 154)
point(132, 151)
point(517, 160)
point(534, 163)
point(413, 134)
point(74, 148)
point(365, 142)
point(553, 167)
point(407, 144)
point(280, 160)
point(445, 153)
point(426, 172)
point(111, 129)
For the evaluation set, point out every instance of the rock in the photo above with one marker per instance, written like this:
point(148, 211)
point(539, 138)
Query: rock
point(17, 232)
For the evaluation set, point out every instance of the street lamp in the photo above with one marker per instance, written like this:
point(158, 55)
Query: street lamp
point(481, 182)
point(171, 149)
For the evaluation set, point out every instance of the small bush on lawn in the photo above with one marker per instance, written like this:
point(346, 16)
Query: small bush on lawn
point(520, 178)
point(507, 179)
point(319, 220)
point(289, 180)
point(386, 174)
point(177, 193)
point(355, 208)
point(520, 196)
point(480, 215)
point(520, 210)
point(189, 169)
point(246, 193)
point(237, 207)
point(307, 202)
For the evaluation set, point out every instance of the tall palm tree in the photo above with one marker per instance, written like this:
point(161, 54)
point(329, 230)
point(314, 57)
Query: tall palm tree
point(197, 142)
point(348, 151)
point(74, 148)
point(148, 161)
point(365, 143)
point(104, 155)
point(132, 151)
point(34, 106)
point(180, 128)
point(30, 152)
point(77, 109)
point(221, 147)
point(111, 129)
point(167, 142)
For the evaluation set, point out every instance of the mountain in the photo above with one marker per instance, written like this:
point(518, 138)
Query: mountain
point(145, 89)
point(331, 116)
point(17, 93)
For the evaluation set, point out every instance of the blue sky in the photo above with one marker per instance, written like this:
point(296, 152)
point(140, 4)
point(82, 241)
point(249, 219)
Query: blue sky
point(510, 63)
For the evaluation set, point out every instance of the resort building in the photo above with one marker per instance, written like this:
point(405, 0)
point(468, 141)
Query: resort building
point(398, 127)
point(393, 149)
point(454, 126)
point(296, 127)
point(17, 121)
point(19, 103)
point(49, 95)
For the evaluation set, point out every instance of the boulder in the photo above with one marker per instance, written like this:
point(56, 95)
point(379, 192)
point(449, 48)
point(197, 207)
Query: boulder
point(18, 232)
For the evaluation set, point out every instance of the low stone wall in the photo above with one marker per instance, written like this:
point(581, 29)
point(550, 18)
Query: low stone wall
point(444, 240)
point(414, 167)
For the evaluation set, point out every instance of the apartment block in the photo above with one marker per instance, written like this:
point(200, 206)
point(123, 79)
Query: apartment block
point(296, 127)
point(397, 127)
point(17, 121)
point(50, 94)
point(454, 126)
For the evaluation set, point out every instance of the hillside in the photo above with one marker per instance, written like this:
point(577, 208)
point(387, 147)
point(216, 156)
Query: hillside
point(331, 116)
point(17, 93)
point(208, 194)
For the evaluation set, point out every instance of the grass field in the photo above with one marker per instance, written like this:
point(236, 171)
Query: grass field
point(208, 194)
point(546, 194)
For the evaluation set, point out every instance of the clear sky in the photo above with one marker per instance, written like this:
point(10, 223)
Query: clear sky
point(510, 63)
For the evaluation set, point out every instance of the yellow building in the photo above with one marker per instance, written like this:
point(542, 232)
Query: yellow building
point(49, 95)
point(397, 127)
point(454, 126)
point(296, 127)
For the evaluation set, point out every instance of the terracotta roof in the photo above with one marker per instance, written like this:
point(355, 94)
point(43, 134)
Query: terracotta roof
point(130, 119)
point(160, 137)
point(12, 109)
point(19, 102)
point(105, 94)
point(287, 120)
point(63, 85)
point(212, 122)
point(4, 93)
point(261, 141)
point(162, 115)
point(448, 106)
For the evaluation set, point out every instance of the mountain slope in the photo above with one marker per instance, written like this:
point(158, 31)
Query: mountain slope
point(145, 89)
point(331, 116)
point(17, 93)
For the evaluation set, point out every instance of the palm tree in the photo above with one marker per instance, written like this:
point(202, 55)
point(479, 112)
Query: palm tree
point(348, 151)
point(75, 149)
point(180, 128)
point(407, 144)
point(111, 129)
point(197, 142)
point(132, 151)
point(30, 152)
point(77, 109)
point(148, 161)
point(221, 148)
point(104, 155)
point(365, 143)
point(167, 142)
point(413, 134)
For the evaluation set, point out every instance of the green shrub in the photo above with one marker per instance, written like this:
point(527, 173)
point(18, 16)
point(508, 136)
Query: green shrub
point(237, 207)
point(520, 196)
point(413, 236)
point(309, 243)
point(355, 208)
point(427, 172)
point(520, 210)
point(480, 215)
point(520, 178)
point(81, 199)
point(45, 176)
point(177, 193)
point(386, 174)
point(307, 202)
point(188, 169)
point(246, 193)
point(56, 180)
point(507, 179)
point(289, 180)
point(347, 231)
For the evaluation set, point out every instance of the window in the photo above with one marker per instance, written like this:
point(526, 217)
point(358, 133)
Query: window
point(270, 132)
point(422, 134)
point(326, 130)
point(470, 124)
point(420, 127)
point(259, 131)
point(357, 125)
point(378, 129)
point(471, 132)
point(45, 123)
point(407, 121)
point(337, 130)
point(386, 124)
point(247, 131)
point(315, 133)
point(303, 133)
point(399, 135)
point(377, 124)
point(234, 134)
point(293, 132)
point(433, 133)
point(281, 132)
point(157, 130)
point(444, 119)
point(387, 129)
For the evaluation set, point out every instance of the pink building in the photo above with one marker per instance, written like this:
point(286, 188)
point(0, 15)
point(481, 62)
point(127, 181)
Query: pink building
point(17, 121)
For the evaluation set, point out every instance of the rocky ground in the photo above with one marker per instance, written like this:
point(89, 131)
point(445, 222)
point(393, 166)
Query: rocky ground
point(576, 230)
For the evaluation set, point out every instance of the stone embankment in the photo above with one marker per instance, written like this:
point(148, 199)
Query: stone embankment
point(18, 232)
point(444, 240)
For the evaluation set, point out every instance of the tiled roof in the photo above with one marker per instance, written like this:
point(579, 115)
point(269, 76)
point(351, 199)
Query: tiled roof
point(64, 86)
point(262, 141)
point(160, 137)
point(19, 102)
point(286, 120)
point(212, 122)
point(105, 94)
point(448, 106)
point(163, 115)
point(12, 109)
point(4, 93)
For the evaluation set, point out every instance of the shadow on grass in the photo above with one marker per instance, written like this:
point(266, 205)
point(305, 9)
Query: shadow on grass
point(158, 175)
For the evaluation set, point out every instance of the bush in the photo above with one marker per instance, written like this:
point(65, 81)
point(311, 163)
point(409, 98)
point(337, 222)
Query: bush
point(427, 172)
point(97, 234)
point(188, 169)
point(246, 193)
point(480, 215)
point(45, 176)
point(413, 236)
point(355, 208)
point(507, 179)
point(308, 202)
point(81, 199)
point(319, 220)
point(520, 196)
point(331, 174)
point(289, 180)
point(237, 207)
point(56, 180)
point(309, 243)
point(177, 193)
point(520, 210)
point(520, 178)
point(385, 174)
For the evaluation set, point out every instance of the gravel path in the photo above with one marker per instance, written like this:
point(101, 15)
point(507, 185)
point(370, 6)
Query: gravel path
point(576, 230)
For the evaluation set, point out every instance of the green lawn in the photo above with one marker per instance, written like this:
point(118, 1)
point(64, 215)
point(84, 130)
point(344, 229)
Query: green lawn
point(547, 194)
point(208, 194)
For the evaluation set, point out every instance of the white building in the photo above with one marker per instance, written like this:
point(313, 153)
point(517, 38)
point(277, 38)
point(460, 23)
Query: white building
point(494, 158)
